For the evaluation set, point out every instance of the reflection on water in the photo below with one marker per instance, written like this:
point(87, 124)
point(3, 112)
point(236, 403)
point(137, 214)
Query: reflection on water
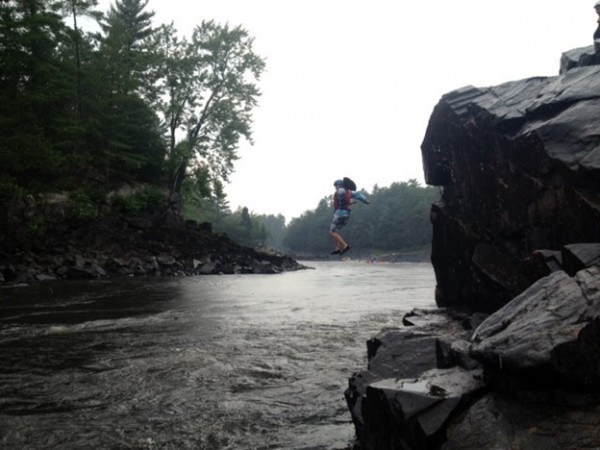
point(212, 362)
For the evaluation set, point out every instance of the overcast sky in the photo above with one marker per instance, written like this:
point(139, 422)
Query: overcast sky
point(350, 84)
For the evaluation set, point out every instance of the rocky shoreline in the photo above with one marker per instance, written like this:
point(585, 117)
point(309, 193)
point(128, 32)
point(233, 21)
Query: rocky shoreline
point(526, 376)
point(121, 247)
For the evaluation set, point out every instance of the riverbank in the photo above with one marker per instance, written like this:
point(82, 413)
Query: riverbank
point(117, 247)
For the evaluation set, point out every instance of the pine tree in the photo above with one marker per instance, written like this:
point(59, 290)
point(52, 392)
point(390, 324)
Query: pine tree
point(76, 9)
point(130, 142)
point(126, 28)
point(36, 92)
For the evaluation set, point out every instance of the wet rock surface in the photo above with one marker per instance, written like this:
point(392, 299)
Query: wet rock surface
point(523, 334)
point(526, 376)
point(408, 394)
point(495, 422)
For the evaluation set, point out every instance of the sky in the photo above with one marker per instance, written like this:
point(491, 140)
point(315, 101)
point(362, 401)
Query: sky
point(349, 85)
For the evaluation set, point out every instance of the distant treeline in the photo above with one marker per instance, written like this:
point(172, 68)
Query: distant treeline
point(397, 219)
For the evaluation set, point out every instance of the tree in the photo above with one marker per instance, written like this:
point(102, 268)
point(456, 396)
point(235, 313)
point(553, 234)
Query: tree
point(208, 85)
point(275, 230)
point(75, 9)
point(35, 91)
point(308, 233)
point(246, 222)
point(126, 28)
point(125, 104)
point(129, 140)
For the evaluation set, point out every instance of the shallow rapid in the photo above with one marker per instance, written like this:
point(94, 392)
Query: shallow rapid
point(210, 362)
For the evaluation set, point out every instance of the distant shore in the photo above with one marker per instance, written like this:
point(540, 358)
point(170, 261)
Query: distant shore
point(418, 255)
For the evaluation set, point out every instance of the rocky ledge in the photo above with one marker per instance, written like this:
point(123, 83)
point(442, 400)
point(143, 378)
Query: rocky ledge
point(126, 247)
point(526, 376)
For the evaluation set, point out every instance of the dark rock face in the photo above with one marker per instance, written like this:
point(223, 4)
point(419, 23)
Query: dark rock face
point(511, 360)
point(519, 165)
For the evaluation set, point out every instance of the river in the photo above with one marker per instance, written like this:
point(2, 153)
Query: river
point(208, 362)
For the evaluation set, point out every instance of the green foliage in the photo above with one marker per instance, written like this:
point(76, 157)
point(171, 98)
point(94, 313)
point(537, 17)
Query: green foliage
point(208, 94)
point(36, 227)
point(9, 190)
point(274, 230)
point(146, 201)
point(126, 28)
point(34, 88)
point(308, 233)
point(132, 103)
point(81, 206)
point(397, 219)
point(204, 199)
point(252, 229)
point(242, 225)
point(130, 143)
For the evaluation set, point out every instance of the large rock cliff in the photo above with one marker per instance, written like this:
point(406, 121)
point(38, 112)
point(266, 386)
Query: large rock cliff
point(519, 165)
point(511, 358)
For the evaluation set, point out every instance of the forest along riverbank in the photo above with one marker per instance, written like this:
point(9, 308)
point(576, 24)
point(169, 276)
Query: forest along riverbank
point(252, 361)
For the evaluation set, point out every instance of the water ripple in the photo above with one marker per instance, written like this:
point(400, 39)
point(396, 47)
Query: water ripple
point(236, 362)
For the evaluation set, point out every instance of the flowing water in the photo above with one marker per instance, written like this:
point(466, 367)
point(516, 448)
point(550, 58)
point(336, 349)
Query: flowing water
point(209, 362)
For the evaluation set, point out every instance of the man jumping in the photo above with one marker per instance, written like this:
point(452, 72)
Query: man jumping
point(342, 199)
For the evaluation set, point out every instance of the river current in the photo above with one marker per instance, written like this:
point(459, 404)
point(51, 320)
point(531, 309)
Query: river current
point(209, 362)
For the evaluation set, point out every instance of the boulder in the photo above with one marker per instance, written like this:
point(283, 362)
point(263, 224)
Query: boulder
point(401, 359)
point(79, 273)
point(115, 247)
point(538, 355)
point(523, 334)
point(207, 268)
point(413, 412)
point(589, 345)
point(399, 353)
point(452, 351)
